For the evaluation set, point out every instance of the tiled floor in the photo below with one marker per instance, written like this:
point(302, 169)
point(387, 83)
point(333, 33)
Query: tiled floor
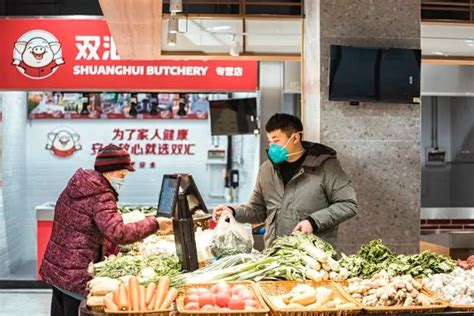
point(25, 302)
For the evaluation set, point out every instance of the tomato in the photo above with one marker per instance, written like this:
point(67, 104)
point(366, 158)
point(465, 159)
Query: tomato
point(208, 308)
point(191, 298)
point(192, 306)
point(246, 295)
point(202, 290)
point(193, 290)
point(236, 289)
point(222, 299)
point(206, 299)
point(236, 303)
point(252, 303)
point(221, 287)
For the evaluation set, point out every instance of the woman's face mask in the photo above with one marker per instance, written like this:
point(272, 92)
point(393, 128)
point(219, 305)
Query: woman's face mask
point(279, 154)
point(117, 183)
point(117, 179)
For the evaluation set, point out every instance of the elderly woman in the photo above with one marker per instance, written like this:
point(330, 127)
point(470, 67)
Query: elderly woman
point(84, 218)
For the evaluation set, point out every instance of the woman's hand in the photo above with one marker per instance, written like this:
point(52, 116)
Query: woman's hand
point(166, 225)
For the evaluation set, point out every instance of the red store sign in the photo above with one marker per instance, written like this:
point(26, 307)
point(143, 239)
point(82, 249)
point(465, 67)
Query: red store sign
point(70, 54)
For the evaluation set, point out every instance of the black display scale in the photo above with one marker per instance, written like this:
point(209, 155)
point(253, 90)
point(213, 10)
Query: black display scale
point(179, 200)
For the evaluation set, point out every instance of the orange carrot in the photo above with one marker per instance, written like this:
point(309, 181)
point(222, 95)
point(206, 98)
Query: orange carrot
point(109, 304)
point(151, 305)
point(142, 298)
point(163, 287)
point(123, 304)
point(133, 288)
point(170, 297)
point(116, 297)
point(150, 290)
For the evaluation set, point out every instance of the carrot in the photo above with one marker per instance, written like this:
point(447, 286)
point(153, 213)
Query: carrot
point(150, 290)
point(142, 298)
point(133, 288)
point(109, 304)
point(151, 305)
point(170, 297)
point(163, 288)
point(123, 304)
point(116, 297)
point(128, 298)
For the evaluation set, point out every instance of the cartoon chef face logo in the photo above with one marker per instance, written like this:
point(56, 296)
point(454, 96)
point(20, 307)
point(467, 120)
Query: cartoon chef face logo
point(37, 54)
point(63, 142)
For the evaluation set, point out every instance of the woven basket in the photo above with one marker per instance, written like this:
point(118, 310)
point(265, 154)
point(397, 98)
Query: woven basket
point(461, 308)
point(96, 309)
point(147, 313)
point(453, 307)
point(264, 311)
point(270, 289)
point(442, 305)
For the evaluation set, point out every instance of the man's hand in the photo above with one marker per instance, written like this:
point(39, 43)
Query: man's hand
point(166, 225)
point(219, 210)
point(304, 227)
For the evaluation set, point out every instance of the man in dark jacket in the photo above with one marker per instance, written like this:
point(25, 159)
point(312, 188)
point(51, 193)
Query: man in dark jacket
point(302, 186)
point(85, 216)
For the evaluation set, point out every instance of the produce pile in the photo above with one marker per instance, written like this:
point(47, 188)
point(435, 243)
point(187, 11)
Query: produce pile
point(146, 268)
point(457, 288)
point(386, 290)
point(294, 257)
point(221, 297)
point(137, 298)
point(146, 210)
point(156, 245)
point(98, 288)
point(376, 257)
point(305, 296)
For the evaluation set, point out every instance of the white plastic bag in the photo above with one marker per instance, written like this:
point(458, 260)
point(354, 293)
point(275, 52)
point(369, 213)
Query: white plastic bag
point(230, 237)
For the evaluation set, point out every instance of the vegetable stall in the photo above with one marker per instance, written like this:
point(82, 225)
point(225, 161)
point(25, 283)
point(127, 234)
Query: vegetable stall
point(298, 275)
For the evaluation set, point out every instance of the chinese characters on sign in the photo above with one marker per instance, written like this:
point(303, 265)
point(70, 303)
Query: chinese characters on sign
point(144, 142)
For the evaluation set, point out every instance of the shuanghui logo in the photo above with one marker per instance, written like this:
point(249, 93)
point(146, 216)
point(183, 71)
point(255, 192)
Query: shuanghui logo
point(63, 142)
point(37, 54)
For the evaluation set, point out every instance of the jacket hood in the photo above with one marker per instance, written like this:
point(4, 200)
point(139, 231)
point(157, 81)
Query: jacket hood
point(317, 154)
point(86, 183)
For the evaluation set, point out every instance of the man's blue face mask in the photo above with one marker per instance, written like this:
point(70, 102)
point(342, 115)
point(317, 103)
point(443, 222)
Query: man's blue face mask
point(279, 154)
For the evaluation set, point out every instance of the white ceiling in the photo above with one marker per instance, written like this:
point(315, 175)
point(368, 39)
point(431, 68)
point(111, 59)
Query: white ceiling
point(213, 36)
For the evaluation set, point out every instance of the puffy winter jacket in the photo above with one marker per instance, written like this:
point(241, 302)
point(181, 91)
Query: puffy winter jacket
point(85, 216)
point(320, 190)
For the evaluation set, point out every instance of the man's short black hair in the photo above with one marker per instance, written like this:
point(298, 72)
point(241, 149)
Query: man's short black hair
point(289, 124)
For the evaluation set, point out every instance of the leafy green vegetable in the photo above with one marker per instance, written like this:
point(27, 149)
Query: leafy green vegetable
point(375, 257)
point(287, 259)
point(121, 266)
point(147, 210)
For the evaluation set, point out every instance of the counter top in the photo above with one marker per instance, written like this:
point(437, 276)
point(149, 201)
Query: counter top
point(452, 240)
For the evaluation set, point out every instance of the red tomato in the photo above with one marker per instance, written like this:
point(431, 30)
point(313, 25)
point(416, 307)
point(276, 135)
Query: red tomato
point(222, 299)
point(236, 289)
point(203, 290)
point(191, 298)
point(206, 299)
point(252, 303)
point(246, 295)
point(192, 306)
point(208, 308)
point(222, 287)
point(236, 303)
point(193, 290)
